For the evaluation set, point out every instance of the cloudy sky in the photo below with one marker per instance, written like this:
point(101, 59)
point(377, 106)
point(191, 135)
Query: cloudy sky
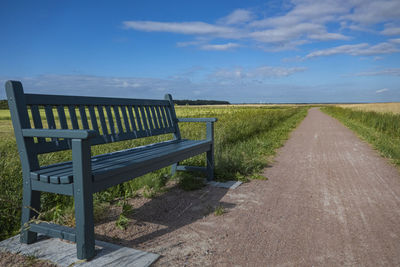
point(240, 51)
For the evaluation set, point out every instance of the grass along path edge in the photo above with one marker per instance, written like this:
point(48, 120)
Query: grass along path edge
point(386, 143)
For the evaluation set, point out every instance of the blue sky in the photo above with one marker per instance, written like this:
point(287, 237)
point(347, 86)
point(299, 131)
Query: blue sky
point(240, 51)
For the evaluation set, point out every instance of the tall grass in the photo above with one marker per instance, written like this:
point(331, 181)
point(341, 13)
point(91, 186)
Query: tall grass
point(244, 139)
point(382, 130)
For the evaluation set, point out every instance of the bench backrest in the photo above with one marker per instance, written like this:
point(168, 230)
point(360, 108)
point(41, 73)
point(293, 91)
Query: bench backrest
point(115, 119)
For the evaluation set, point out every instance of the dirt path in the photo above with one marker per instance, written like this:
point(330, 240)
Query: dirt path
point(330, 200)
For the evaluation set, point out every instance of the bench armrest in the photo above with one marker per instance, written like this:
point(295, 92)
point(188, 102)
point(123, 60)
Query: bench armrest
point(59, 133)
point(197, 119)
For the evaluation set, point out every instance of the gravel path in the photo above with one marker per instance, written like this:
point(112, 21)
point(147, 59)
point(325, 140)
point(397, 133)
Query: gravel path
point(330, 200)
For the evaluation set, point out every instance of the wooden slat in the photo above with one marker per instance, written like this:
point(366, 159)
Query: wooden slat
point(110, 119)
point(47, 147)
point(138, 119)
point(64, 167)
point(82, 112)
point(118, 119)
point(37, 121)
point(93, 118)
point(53, 230)
point(126, 121)
point(64, 189)
point(162, 109)
point(144, 118)
point(51, 124)
point(102, 120)
point(169, 116)
point(41, 148)
point(62, 117)
point(148, 164)
point(134, 159)
point(54, 175)
point(155, 119)
point(141, 152)
point(149, 117)
point(72, 114)
point(131, 118)
point(39, 99)
point(112, 160)
point(160, 119)
point(50, 117)
point(59, 167)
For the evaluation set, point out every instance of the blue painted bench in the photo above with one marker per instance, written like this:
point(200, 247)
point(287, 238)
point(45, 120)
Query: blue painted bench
point(93, 121)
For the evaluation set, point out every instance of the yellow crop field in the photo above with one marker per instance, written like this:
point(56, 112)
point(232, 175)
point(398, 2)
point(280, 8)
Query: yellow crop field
point(377, 107)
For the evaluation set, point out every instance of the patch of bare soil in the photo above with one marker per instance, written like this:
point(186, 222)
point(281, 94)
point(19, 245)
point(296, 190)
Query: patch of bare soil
point(174, 224)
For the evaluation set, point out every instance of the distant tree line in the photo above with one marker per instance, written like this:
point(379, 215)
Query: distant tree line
point(3, 104)
point(200, 102)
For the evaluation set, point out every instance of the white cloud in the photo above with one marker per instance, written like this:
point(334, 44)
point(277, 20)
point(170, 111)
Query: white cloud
point(391, 31)
point(316, 12)
point(219, 47)
point(369, 12)
point(326, 36)
point(381, 90)
point(268, 71)
point(386, 72)
point(191, 28)
point(362, 49)
point(295, 32)
point(238, 16)
point(262, 72)
point(343, 49)
point(305, 21)
point(395, 41)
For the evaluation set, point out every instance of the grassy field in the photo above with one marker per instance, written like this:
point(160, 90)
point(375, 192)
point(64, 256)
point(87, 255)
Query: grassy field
point(245, 136)
point(377, 107)
point(380, 127)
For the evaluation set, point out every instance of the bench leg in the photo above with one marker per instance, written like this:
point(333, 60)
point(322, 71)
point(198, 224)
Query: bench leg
point(210, 153)
point(30, 201)
point(84, 226)
point(173, 168)
point(83, 197)
point(210, 164)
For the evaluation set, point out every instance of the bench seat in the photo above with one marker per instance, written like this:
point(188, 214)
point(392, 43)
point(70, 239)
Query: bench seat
point(124, 161)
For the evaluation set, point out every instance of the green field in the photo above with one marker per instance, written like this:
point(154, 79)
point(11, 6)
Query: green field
point(245, 136)
point(380, 129)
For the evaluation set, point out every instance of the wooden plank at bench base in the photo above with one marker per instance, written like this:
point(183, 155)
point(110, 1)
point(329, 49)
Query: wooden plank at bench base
point(54, 230)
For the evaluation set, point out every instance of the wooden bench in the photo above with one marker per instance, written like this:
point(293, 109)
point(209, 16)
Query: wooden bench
point(93, 121)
